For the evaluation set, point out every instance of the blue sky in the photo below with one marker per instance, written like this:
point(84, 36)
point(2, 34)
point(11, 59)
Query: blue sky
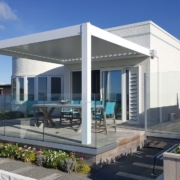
point(22, 17)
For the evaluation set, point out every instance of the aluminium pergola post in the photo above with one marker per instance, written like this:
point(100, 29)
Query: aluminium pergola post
point(86, 83)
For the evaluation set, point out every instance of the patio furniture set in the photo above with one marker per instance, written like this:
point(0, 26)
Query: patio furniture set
point(70, 111)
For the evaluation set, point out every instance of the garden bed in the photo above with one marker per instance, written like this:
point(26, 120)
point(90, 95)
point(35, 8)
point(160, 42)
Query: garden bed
point(57, 159)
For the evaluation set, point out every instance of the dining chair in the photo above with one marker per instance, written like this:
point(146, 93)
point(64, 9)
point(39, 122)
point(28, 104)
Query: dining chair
point(33, 110)
point(106, 114)
point(70, 113)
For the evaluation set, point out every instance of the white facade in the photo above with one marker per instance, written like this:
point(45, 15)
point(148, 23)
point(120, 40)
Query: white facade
point(146, 34)
point(23, 69)
point(123, 51)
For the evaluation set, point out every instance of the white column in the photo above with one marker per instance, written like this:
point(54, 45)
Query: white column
point(86, 83)
point(124, 97)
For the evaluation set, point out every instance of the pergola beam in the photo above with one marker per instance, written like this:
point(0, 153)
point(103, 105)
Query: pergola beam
point(112, 38)
point(41, 37)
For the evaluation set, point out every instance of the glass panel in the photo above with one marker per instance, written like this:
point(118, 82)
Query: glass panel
point(42, 88)
point(14, 88)
point(112, 89)
point(21, 88)
point(76, 85)
point(55, 88)
point(95, 84)
point(20, 122)
point(30, 82)
point(127, 93)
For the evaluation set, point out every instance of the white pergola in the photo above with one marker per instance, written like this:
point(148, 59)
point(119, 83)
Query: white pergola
point(83, 44)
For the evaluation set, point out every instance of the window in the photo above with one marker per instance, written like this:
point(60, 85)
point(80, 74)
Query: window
point(112, 85)
point(95, 85)
point(21, 89)
point(30, 82)
point(42, 88)
point(14, 88)
point(55, 88)
point(127, 93)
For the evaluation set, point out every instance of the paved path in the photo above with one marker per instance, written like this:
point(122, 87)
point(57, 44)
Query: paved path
point(137, 166)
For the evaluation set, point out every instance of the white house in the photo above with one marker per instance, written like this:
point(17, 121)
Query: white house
point(124, 64)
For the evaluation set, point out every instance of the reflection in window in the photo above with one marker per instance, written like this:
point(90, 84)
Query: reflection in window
point(21, 89)
point(111, 83)
point(30, 82)
point(55, 88)
point(42, 88)
point(14, 88)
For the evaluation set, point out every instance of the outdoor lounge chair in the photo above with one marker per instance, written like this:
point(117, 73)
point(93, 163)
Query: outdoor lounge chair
point(106, 114)
point(70, 113)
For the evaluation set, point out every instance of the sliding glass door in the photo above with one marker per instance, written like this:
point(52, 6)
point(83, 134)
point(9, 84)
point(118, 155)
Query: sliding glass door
point(112, 89)
point(77, 86)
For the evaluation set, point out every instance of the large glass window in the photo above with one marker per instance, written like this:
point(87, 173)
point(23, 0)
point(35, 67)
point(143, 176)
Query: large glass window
point(42, 88)
point(21, 89)
point(127, 93)
point(55, 88)
point(95, 84)
point(111, 83)
point(30, 82)
point(14, 88)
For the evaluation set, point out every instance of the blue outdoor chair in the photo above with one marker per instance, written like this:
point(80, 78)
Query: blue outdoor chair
point(70, 113)
point(105, 114)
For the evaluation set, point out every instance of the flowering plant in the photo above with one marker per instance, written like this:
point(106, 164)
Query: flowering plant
point(52, 157)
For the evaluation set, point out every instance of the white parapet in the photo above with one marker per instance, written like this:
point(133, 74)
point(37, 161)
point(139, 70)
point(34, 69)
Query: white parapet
point(4, 175)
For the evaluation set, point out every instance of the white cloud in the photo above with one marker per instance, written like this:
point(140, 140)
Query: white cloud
point(6, 12)
point(2, 27)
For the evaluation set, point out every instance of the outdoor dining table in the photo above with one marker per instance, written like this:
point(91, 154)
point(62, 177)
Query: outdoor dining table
point(53, 106)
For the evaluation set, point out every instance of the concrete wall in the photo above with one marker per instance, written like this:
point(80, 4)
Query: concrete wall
point(164, 74)
point(27, 67)
point(171, 166)
point(5, 175)
point(138, 33)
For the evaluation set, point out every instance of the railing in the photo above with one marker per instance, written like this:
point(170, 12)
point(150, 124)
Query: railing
point(162, 94)
point(20, 119)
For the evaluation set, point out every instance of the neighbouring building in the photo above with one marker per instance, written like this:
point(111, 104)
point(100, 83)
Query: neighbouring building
point(5, 89)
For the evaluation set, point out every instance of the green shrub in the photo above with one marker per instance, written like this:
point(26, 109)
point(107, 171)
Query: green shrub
point(8, 150)
point(177, 151)
point(53, 157)
point(26, 154)
point(83, 168)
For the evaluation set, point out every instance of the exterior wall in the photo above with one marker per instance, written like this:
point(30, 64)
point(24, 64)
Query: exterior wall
point(24, 68)
point(99, 65)
point(27, 67)
point(164, 73)
point(142, 63)
point(138, 33)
